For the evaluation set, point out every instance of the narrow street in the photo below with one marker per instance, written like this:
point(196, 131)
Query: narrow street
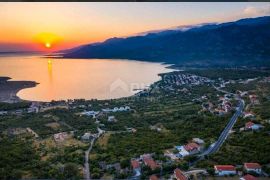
point(86, 163)
point(86, 169)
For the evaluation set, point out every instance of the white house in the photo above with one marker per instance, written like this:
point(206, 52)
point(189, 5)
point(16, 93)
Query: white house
point(253, 167)
point(116, 109)
point(127, 108)
point(222, 170)
point(121, 109)
point(182, 151)
point(111, 119)
point(86, 136)
point(34, 108)
point(90, 113)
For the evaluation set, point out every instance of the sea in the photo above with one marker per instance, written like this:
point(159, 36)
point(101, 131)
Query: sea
point(62, 79)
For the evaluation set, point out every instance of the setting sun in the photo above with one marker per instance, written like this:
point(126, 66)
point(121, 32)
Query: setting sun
point(47, 40)
point(47, 45)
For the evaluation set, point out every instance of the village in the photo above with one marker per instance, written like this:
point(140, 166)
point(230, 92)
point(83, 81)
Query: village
point(223, 104)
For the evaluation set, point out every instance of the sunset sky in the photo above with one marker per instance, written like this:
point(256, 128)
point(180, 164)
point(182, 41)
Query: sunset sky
point(40, 26)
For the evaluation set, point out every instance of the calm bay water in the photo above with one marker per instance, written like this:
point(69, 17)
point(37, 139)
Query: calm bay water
point(79, 78)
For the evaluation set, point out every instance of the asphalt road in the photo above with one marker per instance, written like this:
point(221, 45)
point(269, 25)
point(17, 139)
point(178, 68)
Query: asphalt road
point(223, 136)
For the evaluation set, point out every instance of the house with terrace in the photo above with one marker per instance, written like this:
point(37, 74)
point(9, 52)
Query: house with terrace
point(188, 149)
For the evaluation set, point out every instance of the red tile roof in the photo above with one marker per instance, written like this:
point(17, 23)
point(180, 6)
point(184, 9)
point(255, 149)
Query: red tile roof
point(179, 175)
point(249, 124)
point(153, 177)
point(191, 146)
point(224, 167)
point(249, 177)
point(135, 164)
point(150, 162)
point(252, 165)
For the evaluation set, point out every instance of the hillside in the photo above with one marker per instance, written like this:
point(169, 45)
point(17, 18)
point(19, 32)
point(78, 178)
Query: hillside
point(241, 43)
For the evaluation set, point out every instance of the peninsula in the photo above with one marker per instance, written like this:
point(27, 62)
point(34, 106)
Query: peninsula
point(9, 89)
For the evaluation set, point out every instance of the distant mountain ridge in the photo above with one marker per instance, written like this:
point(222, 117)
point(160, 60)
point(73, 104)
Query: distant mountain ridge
point(245, 42)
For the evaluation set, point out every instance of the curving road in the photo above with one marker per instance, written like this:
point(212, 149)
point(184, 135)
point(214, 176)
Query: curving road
point(223, 136)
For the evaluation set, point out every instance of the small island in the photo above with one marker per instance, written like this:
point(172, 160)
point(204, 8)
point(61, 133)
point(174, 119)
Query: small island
point(9, 89)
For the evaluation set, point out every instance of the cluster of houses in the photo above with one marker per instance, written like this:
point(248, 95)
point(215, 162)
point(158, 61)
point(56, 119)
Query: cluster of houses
point(228, 170)
point(116, 109)
point(224, 105)
point(193, 147)
point(250, 125)
point(253, 98)
point(37, 107)
point(184, 79)
point(248, 172)
point(94, 114)
point(147, 160)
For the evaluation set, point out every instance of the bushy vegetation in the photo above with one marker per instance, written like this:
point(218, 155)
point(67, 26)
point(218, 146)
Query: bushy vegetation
point(229, 74)
point(12, 106)
point(17, 158)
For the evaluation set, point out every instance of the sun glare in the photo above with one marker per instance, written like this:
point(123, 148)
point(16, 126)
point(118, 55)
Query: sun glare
point(47, 40)
point(47, 45)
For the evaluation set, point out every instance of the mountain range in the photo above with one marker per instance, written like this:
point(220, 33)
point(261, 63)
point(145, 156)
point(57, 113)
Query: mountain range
point(245, 42)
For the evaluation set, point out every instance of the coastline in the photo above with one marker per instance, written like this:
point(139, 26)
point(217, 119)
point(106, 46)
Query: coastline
point(9, 89)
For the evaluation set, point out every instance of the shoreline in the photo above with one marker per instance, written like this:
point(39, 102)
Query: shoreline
point(9, 89)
